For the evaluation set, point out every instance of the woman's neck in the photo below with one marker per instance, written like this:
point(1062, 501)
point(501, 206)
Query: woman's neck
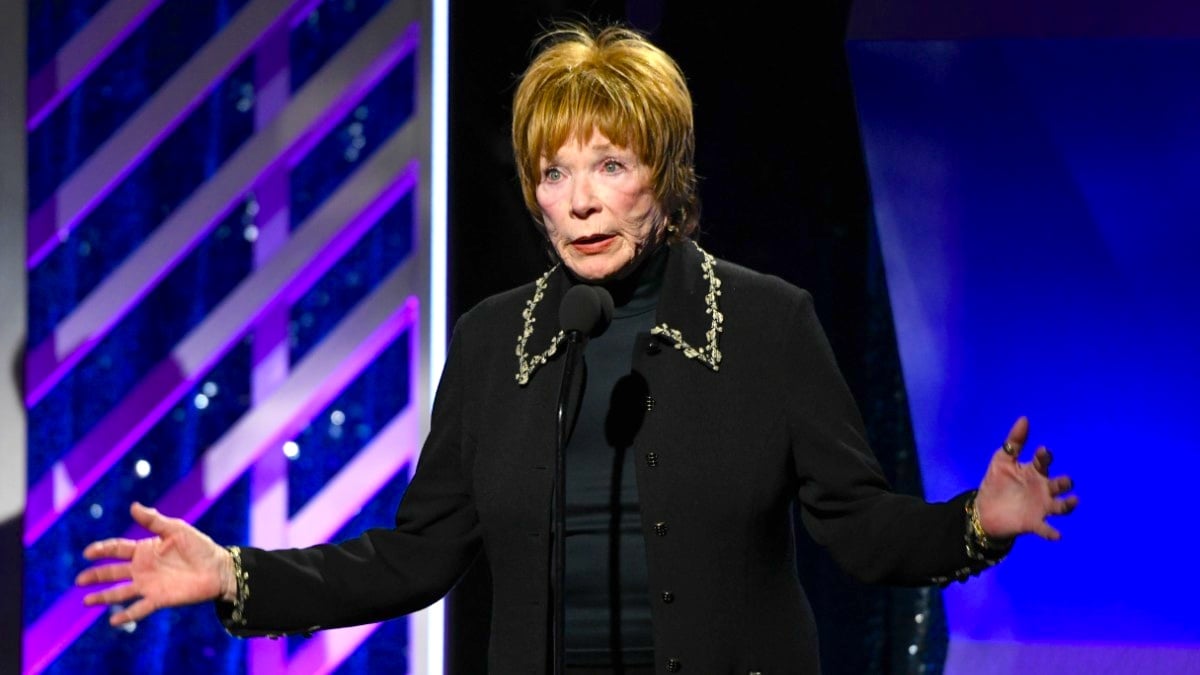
point(638, 291)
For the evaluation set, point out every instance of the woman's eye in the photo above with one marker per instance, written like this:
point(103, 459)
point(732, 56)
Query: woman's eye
point(552, 174)
point(612, 166)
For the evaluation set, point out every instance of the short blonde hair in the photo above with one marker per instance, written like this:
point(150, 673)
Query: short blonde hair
point(614, 80)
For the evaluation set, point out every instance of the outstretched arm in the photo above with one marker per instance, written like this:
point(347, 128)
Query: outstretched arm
point(180, 565)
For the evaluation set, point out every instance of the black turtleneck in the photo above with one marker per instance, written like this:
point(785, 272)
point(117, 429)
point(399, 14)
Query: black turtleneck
point(607, 596)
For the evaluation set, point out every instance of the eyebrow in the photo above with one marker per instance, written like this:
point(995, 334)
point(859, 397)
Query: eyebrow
point(605, 149)
point(602, 149)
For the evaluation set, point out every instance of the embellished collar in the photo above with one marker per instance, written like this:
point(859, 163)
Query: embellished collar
point(689, 306)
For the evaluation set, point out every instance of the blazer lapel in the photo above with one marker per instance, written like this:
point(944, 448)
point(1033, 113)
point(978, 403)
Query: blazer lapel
point(688, 314)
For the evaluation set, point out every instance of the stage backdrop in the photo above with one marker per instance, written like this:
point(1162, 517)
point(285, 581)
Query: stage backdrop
point(1033, 170)
point(12, 331)
point(231, 312)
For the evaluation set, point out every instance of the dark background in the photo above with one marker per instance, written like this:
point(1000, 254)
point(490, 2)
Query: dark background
point(782, 183)
point(783, 190)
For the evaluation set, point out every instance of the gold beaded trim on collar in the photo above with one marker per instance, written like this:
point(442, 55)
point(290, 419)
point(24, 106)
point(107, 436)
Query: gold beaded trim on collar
point(709, 354)
point(525, 364)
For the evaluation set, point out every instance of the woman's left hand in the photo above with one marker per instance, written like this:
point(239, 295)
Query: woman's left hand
point(1015, 497)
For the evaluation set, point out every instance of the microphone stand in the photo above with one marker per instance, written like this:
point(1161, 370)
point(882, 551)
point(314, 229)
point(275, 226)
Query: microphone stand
point(558, 507)
point(585, 311)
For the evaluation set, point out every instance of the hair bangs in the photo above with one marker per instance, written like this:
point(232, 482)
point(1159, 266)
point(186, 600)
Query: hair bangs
point(574, 109)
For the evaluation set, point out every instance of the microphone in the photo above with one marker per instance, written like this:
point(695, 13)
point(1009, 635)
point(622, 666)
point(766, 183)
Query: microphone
point(585, 312)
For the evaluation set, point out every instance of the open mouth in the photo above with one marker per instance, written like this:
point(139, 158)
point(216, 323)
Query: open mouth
point(593, 243)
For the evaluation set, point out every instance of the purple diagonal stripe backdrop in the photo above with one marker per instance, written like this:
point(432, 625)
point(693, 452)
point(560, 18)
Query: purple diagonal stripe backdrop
point(292, 121)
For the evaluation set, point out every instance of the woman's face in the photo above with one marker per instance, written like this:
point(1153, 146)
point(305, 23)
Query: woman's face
point(598, 207)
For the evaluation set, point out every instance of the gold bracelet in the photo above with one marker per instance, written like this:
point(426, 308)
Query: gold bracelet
point(980, 546)
point(977, 526)
point(242, 579)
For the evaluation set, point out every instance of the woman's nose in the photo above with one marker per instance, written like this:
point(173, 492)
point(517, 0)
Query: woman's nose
point(583, 198)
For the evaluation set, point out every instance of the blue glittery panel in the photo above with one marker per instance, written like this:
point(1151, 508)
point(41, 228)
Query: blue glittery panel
point(120, 223)
point(352, 140)
point(337, 433)
point(387, 647)
point(190, 640)
point(136, 344)
point(354, 276)
point(126, 79)
point(324, 31)
point(375, 397)
point(166, 454)
point(386, 651)
point(53, 22)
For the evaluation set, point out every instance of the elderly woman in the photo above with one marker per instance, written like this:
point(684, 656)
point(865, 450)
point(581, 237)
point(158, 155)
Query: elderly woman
point(712, 402)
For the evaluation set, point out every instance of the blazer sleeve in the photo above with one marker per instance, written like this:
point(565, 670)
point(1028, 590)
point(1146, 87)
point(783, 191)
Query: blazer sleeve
point(846, 503)
point(384, 572)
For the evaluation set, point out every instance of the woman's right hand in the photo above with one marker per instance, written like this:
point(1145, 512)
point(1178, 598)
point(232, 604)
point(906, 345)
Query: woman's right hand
point(179, 566)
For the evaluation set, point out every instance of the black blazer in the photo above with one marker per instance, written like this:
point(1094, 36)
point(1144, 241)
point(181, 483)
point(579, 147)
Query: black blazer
point(746, 411)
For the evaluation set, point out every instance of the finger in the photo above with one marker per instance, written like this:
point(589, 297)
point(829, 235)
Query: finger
point(1042, 459)
point(1064, 506)
point(135, 612)
point(150, 518)
point(121, 549)
point(1016, 437)
point(103, 574)
point(1047, 532)
point(111, 596)
point(118, 619)
point(1060, 485)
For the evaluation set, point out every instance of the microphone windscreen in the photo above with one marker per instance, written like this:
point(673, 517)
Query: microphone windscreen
point(586, 309)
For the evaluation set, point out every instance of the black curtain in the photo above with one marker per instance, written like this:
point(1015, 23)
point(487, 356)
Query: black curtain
point(784, 191)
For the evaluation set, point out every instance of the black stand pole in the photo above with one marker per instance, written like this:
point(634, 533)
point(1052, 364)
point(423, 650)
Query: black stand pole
point(558, 550)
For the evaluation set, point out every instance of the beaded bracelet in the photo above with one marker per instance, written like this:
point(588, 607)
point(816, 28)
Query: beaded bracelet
point(979, 545)
point(242, 579)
